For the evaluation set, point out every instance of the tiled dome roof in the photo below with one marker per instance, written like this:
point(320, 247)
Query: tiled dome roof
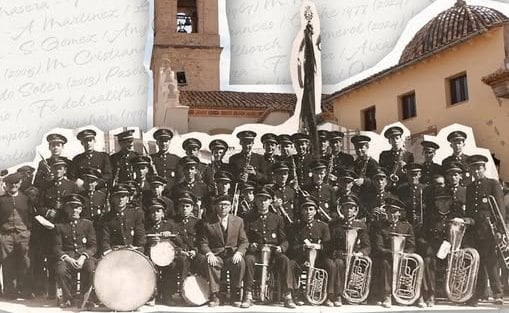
point(452, 25)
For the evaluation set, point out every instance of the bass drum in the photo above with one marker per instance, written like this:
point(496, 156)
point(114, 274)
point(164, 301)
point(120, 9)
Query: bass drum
point(124, 280)
point(195, 290)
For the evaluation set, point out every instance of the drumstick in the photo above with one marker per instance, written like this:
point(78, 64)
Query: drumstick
point(160, 235)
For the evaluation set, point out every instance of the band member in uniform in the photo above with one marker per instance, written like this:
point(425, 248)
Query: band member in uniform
point(121, 160)
point(478, 212)
point(302, 159)
point(165, 162)
point(56, 144)
point(429, 168)
point(346, 184)
point(323, 139)
point(75, 247)
point(383, 241)
point(310, 233)
point(457, 139)
point(285, 147)
point(141, 167)
point(245, 165)
point(364, 165)
point(340, 160)
point(191, 183)
point(454, 175)
point(284, 195)
point(218, 149)
point(348, 209)
point(224, 244)
point(90, 157)
point(395, 159)
point(192, 148)
point(374, 199)
point(411, 194)
point(162, 229)
point(157, 188)
point(16, 212)
point(94, 205)
point(122, 226)
point(223, 182)
point(270, 142)
point(247, 197)
point(27, 176)
point(323, 192)
point(265, 227)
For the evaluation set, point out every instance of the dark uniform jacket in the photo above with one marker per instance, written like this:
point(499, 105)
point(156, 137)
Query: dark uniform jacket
point(302, 168)
point(209, 172)
point(125, 228)
point(268, 229)
point(166, 166)
point(96, 159)
point(372, 199)
point(389, 160)
point(463, 160)
point(428, 170)
point(478, 206)
point(162, 226)
point(189, 231)
point(383, 239)
point(95, 204)
point(122, 169)
point(413, 196)
point(75, 238)
point(216, 241)
point(265, 171)
point(337, 244)
point(23, 206)
point(51, 196)
point(341, 161)
point(316, 232)
point(238, 163)
point(288, 195)
point(438, 229)
point(325, 195)
point(42, 172)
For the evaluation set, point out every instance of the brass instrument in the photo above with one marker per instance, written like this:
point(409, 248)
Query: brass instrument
point(266, 279)
point(358, 271)
point(316, 280)
point(462, 267)
point(499, 232)
point(407, 272)
point(282, 211)
point(236, 193)
point(397, 166)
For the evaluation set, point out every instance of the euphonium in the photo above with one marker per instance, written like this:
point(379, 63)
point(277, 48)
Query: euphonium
point(358, 271)
point(462, 266)
point(316, 281)
point(407, 272)
point(265, 290)
point(499, 232)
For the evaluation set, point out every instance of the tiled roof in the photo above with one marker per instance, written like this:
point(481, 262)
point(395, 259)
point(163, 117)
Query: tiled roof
point(454, 24)
point(276, 102)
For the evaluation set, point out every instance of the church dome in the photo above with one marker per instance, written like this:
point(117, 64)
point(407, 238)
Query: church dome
point(451, 26)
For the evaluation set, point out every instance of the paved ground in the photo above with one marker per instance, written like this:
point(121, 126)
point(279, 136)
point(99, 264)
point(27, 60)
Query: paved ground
point(45, 306)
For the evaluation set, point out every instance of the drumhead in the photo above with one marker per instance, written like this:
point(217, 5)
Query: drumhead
point(124, 280)
point(195, 290)
point(162, 253)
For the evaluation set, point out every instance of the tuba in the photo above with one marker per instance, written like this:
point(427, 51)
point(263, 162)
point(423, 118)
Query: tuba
point(407, 272)
point(358, 271)
point(499, 232)
point(316, 280)
point(266, 282)
point(462, 267)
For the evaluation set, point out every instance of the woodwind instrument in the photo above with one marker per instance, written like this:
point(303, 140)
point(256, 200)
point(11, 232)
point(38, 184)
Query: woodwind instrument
point(398, 164)
point(358, 271)
point(236, 193)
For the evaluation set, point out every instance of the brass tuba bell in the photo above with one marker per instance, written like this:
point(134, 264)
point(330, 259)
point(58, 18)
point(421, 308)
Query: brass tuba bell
point(358, 271)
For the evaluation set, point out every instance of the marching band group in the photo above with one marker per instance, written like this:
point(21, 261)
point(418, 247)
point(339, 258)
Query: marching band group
point(275, 227)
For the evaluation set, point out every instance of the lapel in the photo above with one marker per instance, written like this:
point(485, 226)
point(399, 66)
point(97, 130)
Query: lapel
point(216, 226)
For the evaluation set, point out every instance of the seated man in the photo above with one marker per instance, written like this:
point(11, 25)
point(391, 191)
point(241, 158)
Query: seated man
point(224, 243)
point(75, 246)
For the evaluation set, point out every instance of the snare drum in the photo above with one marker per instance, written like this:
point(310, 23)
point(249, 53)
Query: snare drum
point(195, 290)
point(124, 280)
point(162, 253)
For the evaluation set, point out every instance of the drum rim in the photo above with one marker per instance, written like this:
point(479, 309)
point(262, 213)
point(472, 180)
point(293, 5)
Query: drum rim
point(197, 278)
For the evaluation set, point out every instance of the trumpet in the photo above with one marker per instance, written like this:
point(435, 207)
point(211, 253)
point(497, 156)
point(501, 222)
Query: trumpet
point(316, 280)
point(358, 271)
point(407, 272)
point(462, 266)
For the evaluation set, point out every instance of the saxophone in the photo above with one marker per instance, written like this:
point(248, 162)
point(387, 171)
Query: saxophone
point(358, 271)
point(407, 272)
point(462, 267)
point(398, 164)
point(236, 193)
point(316, 280)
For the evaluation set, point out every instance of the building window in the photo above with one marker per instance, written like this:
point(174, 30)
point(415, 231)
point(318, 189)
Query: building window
point(186, 16)
point(369, 115)
point(458, 89)
point(408, 108)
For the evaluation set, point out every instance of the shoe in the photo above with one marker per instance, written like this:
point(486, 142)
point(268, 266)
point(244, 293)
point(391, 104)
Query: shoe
point(472, 302)
point(300, 302)
point(431, 301)
point(420, 303)
point(65, 304)
point(387, 303)
point(499, 301)
point(235, 298)
point(338, 301)
point(329, 303)
point(248, 300)
point(213, 301)
point(289, 303)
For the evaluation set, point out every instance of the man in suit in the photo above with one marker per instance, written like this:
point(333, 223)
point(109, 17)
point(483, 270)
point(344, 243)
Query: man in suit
point(90, 157)
point(397, 157)
point(224, 243)
point(75, 247)
point(123, 225)
point(16, 212)
point(165, 162)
